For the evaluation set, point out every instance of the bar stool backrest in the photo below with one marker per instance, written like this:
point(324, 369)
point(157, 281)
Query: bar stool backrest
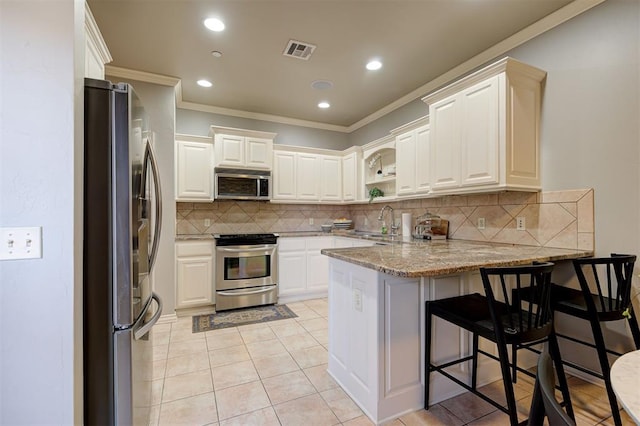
point(608, 279)
point(519, 319)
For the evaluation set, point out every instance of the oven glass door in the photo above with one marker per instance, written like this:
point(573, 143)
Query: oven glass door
point(245, 266)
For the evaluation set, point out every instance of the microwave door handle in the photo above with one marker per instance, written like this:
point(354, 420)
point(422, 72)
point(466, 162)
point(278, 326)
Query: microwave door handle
point(251, 249)
point(149, 158)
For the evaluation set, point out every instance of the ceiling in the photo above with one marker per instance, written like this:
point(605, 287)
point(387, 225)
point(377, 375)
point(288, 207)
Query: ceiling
point(416, 40)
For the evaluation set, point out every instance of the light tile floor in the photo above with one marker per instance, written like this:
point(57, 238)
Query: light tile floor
point(275, 374)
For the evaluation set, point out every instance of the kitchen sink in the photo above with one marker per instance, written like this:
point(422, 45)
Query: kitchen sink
point(369, 234)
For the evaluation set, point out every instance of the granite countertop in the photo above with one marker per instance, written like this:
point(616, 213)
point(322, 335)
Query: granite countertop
point(442, 257)
point(193, 237)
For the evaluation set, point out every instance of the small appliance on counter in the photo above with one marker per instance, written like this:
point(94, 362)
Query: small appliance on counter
point(343, 223)
point(431, 227)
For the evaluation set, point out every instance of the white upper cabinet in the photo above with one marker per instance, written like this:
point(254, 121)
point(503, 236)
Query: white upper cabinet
point(485, 131)
point(284, 175)
point(96, 51)
point(312, 174)
point(350, 177)
point(308, 176)
point(194, 168)
point(238, 148)
point(330, 178)
point(412, 157)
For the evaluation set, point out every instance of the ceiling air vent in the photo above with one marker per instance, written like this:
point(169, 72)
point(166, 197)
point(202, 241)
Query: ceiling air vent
point(298, 49)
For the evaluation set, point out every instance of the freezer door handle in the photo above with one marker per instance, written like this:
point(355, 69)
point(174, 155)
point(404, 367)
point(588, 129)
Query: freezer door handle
point(150, 159)
point(138, 333)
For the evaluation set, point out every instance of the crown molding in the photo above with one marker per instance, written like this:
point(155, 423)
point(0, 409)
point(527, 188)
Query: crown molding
point(261, 116)
point(147, 77)
point(93, 33)
point(547, 23)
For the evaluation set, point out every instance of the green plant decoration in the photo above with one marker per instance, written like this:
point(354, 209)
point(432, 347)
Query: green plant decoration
point(375, 192)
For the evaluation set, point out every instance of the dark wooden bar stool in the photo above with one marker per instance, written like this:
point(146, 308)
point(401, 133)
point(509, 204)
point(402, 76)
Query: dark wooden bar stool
point(604, 296)
point(505, 322)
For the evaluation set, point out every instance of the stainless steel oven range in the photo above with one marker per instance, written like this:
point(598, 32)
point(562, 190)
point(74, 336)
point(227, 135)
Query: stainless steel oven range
point(246, 270)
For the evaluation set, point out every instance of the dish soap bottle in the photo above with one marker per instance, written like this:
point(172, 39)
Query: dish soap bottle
point(384, 228)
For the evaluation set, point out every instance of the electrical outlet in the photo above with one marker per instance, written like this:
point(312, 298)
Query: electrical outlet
point(207, 222)
point(520, 224)
point(366, 221)
point(20, 243)
point(310, 221)
point(481, 223)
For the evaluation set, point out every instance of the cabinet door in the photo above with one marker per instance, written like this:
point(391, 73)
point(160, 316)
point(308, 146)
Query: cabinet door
point(258, 153)
point(308, 177)
point(406, 163)
point(317, 263)
point(230, 150)
point(423, 179)
point(331, 178)
point(194, 281)
point(284, 175)
point(445, 144)
point(480, 134)
point(194, 167)
point(292, 273)
point(349, 177)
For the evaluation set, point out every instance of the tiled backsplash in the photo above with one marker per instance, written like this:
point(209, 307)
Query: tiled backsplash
point(562, 219)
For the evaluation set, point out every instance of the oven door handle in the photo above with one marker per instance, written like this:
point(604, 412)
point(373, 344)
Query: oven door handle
point(248, 249)
point(243, 292)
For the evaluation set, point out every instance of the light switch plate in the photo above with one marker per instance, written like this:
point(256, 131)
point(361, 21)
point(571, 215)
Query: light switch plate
point(20, 243)
point(520, 224)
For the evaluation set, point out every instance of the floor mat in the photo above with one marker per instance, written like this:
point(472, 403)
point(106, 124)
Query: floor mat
point(238, 317)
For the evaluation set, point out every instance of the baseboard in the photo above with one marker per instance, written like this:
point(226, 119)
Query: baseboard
point(167, 319)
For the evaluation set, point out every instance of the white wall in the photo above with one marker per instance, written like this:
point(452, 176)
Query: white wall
point(40, 185)
point(197, 123)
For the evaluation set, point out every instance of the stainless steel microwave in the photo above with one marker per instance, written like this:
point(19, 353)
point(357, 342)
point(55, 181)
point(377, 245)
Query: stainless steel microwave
point(241, 184)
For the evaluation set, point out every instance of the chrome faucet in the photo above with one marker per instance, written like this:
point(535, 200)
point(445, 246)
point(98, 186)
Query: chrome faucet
point(394, 227)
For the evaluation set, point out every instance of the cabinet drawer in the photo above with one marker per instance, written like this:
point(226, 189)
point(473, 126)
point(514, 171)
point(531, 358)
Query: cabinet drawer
point(291, 244)
point(194, 248)
point(319, 243)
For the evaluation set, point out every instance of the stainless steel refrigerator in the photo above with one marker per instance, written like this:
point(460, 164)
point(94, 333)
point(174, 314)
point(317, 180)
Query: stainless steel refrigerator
point(122, 217)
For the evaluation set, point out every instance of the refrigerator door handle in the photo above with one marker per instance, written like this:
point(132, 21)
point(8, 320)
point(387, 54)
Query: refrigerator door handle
point(138, 333)
point(150, 158)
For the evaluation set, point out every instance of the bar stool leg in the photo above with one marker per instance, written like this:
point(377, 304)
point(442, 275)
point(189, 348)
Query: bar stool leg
point(606, 370)
point(554, 351)
point(635, 330)
point(427, 355)
point(474, 363)
point(506, 380)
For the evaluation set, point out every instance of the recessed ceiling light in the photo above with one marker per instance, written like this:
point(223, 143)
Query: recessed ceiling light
point(374, 65)
point(216, 53)
point(214, 24)
point(324, 105)
point(322, 84)
point(205, 83)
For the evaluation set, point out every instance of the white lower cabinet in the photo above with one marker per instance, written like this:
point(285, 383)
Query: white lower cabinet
point(194, 274)
point(376, 339)
point(303, 270)
point(292, 267)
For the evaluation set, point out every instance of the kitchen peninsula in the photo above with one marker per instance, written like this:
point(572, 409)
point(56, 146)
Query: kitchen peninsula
point(376, 316)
